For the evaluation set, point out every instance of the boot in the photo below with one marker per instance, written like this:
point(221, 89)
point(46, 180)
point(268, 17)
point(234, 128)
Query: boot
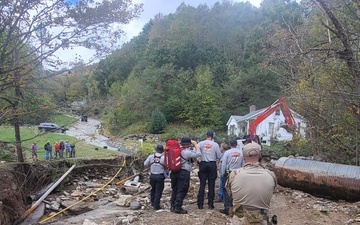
point(172, 208)
point(180, 210)
point(224, 211)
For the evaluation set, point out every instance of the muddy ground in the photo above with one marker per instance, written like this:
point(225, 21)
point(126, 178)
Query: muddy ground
point(291, 206)
point(108, 207)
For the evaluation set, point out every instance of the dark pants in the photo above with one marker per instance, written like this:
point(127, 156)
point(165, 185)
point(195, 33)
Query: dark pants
point(157, 187)
point(207, 172)
point(180, 182)
point(227, 198)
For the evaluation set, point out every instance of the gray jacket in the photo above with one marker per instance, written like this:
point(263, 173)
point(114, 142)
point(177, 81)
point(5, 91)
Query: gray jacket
point(186, 155)
point(232, 159)
point(156, 163)
point(210, 151)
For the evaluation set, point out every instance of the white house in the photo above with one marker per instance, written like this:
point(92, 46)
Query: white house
point(269, 129)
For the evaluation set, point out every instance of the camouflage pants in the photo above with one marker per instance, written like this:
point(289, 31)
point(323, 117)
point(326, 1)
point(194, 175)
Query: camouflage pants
point(249, 218)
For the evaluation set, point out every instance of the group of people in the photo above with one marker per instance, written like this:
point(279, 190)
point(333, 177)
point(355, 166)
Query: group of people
point(59, 147)
point(245, 186)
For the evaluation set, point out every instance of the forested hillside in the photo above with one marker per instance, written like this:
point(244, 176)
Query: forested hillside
point(200, 65)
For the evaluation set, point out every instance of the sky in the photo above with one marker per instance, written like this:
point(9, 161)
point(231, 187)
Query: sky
point(150, 9)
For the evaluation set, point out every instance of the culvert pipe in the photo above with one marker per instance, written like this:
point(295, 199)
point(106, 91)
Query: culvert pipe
point(330, 180)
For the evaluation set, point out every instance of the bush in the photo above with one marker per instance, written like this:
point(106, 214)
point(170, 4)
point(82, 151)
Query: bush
point(157, 122)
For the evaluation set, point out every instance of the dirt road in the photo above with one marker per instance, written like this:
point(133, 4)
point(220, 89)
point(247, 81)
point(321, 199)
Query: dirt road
point(90, 133)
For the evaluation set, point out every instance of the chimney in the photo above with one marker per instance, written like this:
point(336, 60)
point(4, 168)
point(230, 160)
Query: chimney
point(252, 108)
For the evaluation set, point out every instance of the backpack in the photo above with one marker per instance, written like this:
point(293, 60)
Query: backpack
point(172, 155)
point(156, 159)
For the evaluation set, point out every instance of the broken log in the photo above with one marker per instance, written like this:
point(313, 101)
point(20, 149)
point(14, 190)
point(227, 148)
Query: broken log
point(37, 203)
point(330, 180)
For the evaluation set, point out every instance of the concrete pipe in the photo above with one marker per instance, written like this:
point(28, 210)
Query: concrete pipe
point(335, 181)
point(129, 190)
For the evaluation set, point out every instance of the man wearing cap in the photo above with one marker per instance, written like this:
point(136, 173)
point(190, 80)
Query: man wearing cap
point(157, 169)
point(210, 152)
point(231, 160)
point(251, 188)
point(180, 181)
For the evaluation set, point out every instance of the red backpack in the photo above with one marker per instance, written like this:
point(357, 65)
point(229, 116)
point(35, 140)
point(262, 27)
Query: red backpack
point(172, 155)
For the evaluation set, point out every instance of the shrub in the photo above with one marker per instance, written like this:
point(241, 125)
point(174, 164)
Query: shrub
point(157, 122)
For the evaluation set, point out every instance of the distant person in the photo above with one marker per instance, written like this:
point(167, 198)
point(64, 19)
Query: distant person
point(210, 152)
point(62, 148)
point(231, 160)
point(251, 188)
point(223, 148)
point(72, 150)
point(57, 149)
point(157, 178)
point(34, 149)
point(67, 148)
point(48, 151)
point(180, 181)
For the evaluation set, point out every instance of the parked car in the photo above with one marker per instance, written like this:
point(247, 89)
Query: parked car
point(84, 118)
point(48, 127)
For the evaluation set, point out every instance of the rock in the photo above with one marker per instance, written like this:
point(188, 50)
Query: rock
point(55, 206)
point(76, 193)
point(134, 205)
point(89, 222)
point(76, 209)
point(124, 200)
point(131, 218)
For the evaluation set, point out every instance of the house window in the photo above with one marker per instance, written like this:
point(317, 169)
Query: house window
point(277, 112)
point(271, 129)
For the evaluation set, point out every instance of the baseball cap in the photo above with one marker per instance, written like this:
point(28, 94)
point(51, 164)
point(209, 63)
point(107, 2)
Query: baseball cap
point(233, 142)
point(185, 141)
point(246, 139)
point(210, 133)
point(251, 149)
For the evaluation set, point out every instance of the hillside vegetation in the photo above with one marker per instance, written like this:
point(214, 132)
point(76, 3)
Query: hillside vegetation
point(199, 65)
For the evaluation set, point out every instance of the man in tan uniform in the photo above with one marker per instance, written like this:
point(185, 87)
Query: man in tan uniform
point(251, 188)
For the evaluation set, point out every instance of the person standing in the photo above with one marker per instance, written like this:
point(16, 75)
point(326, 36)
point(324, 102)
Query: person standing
point(210, 152)
point(62, 148)
point(48, 151)
point(157, 177)
point(72, 150)
point(251, 188)
point(180, 181)
point(57, 149)
point(223, 148)
point(231, 160)
point(34, 149)
point(67, 148)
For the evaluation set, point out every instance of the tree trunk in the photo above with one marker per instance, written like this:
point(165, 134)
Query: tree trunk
point(16, 123)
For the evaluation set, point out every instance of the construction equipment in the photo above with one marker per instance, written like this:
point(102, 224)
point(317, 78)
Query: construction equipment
point(289, 125)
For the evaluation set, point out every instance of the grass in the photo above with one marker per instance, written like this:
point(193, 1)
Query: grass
point(29, 135)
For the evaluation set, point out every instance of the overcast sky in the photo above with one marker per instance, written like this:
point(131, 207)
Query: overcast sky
point(151, 8)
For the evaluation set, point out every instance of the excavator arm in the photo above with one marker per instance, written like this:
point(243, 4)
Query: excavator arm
point(280, 103)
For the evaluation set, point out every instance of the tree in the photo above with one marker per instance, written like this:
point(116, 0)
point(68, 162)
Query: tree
point(157, 122)
point(32, 31)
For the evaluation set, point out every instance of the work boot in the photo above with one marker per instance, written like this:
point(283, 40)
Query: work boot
point(224, 211)
point(172, 208)
point(200, 206)
point(180, 210)
point(211, 206)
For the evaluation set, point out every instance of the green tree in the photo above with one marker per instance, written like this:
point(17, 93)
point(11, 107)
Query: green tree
point(28, 41)
point(157, 122)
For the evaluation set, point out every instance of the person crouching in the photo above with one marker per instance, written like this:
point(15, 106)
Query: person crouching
point(157, 177)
